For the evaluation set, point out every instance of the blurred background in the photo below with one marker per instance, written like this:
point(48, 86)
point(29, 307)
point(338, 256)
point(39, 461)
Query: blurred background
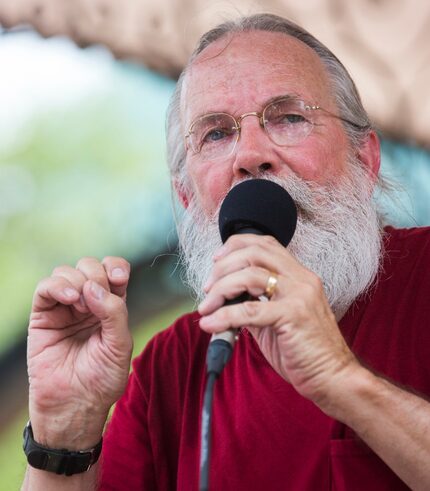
point(84, 87)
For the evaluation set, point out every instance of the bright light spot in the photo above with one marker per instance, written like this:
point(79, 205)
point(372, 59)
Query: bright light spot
point(38, 74)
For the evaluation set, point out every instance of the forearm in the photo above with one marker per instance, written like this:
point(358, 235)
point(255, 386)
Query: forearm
point(36, 480)
point(392, 421)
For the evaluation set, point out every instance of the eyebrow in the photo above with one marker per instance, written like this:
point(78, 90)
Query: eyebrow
point(293, 97)
point(273, 99)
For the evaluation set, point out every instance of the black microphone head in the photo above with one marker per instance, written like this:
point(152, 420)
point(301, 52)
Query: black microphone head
point(260, 205)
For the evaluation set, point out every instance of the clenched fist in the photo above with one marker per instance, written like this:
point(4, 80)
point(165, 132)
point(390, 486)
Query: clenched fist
point(79, 350)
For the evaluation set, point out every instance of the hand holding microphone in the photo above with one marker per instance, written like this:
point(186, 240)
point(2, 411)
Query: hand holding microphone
point(258, 207)
point(296, 331)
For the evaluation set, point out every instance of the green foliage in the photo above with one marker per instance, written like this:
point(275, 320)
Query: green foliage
point(84, 180)
point(12, 458)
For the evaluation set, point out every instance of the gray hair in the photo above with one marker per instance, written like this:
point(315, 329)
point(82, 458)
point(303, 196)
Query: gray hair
point(345, 92)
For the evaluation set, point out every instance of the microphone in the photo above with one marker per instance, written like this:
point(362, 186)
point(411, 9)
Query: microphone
point(255, 206)
point(258, 207)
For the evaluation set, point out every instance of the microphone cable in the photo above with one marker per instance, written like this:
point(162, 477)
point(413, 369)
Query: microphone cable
point(219, 353)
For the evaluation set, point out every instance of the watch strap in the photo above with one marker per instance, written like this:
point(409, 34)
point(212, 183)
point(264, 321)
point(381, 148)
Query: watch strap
point(60, 461)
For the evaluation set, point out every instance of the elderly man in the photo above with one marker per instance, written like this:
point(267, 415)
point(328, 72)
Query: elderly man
point(327, 383)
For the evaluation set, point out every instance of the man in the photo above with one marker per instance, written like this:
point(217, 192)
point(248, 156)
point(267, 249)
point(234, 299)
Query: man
point(309, 399)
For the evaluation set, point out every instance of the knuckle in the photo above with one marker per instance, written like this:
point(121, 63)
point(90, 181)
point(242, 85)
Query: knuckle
point(49, 286)
point(108, 259)
point(234, 239)
point(92, 269)
point(99, 277)
point(270, 240)
point(117, 260)
point(250, 309)
point(261, 272)
point(222, 314)
point(44, 281)
point(86, 260)
point(255, 252)
point(314, 285)
point(298, 307)
point(216, 269)
point(43, 284)
point(59, 270)
point(308, 295)
point(114, 313)
point(116, 306)
point(258, 275)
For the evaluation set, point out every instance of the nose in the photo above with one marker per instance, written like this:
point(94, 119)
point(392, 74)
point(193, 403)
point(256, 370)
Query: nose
point(254, 152)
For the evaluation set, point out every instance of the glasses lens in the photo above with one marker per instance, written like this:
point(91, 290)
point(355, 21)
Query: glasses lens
point(287, 121)
point(214, 135)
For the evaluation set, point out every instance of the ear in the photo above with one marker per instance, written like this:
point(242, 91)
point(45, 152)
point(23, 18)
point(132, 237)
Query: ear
point(183, 195)
point(370, 154)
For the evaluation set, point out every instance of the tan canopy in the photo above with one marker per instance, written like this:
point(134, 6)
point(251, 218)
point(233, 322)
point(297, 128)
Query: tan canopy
point(384, 44)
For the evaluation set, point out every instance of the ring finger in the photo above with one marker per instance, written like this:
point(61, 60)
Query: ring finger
point(253, 280)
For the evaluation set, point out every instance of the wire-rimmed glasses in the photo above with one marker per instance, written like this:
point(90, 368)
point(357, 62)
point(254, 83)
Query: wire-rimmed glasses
point(287, 121)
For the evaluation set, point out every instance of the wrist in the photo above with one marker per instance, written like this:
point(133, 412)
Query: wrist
point(74, 433)
point(58, 460)
point(347, 392)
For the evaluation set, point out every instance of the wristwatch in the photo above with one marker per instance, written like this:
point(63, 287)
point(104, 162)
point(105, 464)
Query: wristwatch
point(60, 461)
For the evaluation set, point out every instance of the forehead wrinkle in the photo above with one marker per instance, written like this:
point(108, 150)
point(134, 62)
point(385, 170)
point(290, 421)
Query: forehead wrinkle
point(231, 52)
point(300, 68)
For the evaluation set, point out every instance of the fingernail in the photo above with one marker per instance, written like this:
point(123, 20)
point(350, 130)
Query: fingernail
point(70, 292)
point(118, 273)
point(97, 291)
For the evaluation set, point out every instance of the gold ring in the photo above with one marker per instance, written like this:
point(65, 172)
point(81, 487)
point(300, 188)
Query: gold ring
point(272, 281)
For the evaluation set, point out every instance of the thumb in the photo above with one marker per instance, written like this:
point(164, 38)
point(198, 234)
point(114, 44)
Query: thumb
point(111, 310)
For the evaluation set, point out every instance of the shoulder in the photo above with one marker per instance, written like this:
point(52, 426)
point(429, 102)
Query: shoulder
point(418, 237)
point(406, 248)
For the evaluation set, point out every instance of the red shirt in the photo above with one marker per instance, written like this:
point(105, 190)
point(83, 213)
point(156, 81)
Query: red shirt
point(265, 435)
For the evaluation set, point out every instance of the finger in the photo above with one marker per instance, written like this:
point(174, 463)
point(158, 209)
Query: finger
point(293, 302)
point(251, 313)
point(112, 312)
point(118, 272)
point(252, 280)
point(53, 290)
point(56, 318)
point(93, 270)
point(239, 241)
point(253, 250)
point(77, 279)
point(252, 255)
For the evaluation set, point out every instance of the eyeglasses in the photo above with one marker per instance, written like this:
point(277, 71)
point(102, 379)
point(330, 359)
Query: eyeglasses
point(287, 121)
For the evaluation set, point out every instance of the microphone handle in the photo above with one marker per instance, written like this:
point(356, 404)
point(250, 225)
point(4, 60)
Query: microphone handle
point(230, 336)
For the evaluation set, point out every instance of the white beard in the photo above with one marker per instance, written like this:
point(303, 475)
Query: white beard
point(338, 236)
